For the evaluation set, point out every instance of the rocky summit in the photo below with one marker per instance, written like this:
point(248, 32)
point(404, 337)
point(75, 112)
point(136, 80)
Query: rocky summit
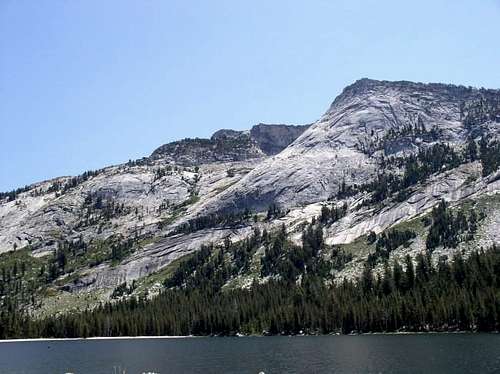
point(230, 145)
point(375, 174)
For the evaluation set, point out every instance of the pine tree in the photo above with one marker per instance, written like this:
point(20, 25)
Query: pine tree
point(409, 279)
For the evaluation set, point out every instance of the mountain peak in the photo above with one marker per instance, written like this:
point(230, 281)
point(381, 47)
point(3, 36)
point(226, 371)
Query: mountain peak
point(413, 91)
point(369, 120)
point(364, 85)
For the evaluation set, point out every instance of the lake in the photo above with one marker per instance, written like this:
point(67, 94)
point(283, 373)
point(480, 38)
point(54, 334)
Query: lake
point(429, 353)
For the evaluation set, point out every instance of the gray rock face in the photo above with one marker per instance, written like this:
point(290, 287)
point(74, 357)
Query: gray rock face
point(272, 139)
point(231, 145)
point(147, 194)
point(41, 220)
point(368, 120)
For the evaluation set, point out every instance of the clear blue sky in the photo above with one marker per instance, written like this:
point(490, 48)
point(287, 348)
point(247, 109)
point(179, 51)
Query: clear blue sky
point(85, 84)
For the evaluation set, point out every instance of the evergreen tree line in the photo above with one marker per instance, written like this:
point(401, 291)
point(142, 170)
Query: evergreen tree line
point(463, 294)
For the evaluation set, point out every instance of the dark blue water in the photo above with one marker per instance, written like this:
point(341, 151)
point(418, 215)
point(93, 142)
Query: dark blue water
point(432, 353)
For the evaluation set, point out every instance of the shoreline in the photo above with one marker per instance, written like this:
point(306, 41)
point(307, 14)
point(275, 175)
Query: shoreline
point(97, 338)
point(24, 340)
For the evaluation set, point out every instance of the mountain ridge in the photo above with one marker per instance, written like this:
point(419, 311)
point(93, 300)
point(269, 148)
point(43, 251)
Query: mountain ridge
point(382, 156)
point(231, 145)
